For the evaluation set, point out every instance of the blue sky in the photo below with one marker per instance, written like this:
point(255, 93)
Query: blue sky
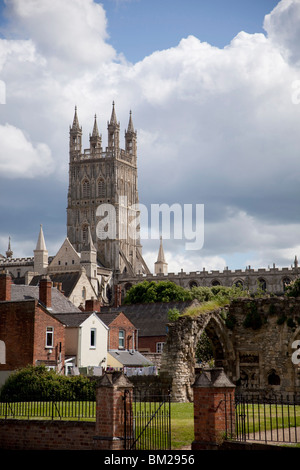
point(213, 90)
point(139, 27)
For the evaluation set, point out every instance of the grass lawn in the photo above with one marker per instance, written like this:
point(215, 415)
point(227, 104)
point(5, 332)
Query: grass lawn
point(182, 424)
point(259, 418)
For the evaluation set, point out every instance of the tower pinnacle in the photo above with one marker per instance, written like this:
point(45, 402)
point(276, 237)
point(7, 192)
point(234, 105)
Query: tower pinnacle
point(75, 125)
point(161, 266)
point(9, 252)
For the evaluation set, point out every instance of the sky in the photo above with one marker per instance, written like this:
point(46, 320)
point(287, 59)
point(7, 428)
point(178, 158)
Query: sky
point(214, 89)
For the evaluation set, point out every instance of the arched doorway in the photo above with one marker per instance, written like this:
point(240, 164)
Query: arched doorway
point(178, 360)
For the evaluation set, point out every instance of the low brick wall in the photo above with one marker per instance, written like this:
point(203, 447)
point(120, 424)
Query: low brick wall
point(17, 434)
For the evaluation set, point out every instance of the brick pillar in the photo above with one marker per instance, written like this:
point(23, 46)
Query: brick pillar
point(214, 413)
point(110, 393)
point(5, 286)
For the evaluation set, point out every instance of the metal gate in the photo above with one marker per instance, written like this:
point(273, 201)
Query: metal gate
point(147, 421)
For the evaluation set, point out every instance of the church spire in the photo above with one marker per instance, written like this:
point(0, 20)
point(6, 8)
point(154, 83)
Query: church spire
point(75, 125)
point(113, 119)
point(161, 254)
point(41, 254)
point(41, 245)
point(161, 266)
point(9, 252)
point(113, 128)
point(130, 124)
point(95, 128)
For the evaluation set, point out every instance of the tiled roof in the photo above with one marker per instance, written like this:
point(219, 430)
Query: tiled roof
point(60, 304)
point(130, 358)
point(73, 319)
point(108, 318)
point(149, 319)
point(68, 280)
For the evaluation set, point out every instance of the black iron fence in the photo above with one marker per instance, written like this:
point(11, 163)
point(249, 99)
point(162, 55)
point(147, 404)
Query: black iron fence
point(275, 419)
point(68, 405)
point(147, 421)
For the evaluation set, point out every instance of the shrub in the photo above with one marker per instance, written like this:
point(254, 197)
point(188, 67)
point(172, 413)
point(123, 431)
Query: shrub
point(173, 314)
point(36, 382)
point(293, 289)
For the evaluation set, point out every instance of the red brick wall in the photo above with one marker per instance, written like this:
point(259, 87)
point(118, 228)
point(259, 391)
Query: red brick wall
point(46, 435)
point(107, 433)
point(121, 323)
point(148, 343)
point(5, 286)
point(42, 320)
point(23, 330)
point(16, 330)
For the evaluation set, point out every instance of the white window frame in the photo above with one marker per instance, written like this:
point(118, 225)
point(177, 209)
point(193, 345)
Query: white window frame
point(160, 347)
point(49, 334)
point(93, 334)
point(121, 339)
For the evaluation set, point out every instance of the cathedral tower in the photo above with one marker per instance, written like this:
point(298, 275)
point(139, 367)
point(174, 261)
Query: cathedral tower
point(105, 178)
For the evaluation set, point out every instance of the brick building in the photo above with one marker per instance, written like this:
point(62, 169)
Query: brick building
point(122, 332)
point(29, 332)
point(150, 321)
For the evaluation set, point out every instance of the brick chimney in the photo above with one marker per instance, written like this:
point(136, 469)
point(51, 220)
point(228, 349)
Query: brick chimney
point(92, 305)
point(118, 296)
point(5, 285)
point(45, 291)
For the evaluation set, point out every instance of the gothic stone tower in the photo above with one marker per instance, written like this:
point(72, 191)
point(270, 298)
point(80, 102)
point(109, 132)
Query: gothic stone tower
point(100, 176)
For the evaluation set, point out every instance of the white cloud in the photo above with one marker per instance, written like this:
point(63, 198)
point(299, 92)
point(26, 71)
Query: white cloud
point(68, 33)
point(283, 28)
point(215, 126)
point(19, 158)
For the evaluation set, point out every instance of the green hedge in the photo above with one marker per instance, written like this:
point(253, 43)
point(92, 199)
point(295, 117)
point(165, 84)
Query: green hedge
point(36, 382)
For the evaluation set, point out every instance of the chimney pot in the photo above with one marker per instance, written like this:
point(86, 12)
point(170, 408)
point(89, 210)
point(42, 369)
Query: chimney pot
point(92, 305)
point(45, 291)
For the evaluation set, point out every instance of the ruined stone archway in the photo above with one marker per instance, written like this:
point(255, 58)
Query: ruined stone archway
point(178, 358)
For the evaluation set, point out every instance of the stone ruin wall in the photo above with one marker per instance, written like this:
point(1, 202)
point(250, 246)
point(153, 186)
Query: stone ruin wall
point(254, 358)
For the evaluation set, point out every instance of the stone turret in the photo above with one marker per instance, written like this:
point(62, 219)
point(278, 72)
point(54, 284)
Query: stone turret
point(41, 254)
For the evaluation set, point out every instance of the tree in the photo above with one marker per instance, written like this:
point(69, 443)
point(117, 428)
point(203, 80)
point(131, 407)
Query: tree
point(162, 291)
point(204, 351)
point(293, 289)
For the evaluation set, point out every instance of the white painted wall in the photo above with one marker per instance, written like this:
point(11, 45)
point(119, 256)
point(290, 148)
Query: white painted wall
point(87, 355)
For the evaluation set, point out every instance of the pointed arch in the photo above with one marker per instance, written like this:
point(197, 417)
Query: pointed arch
point(101, 187)
point(85, 188)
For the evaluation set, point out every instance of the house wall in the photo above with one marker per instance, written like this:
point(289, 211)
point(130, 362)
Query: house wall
point(41, 352)
point(17, 331)
point(23, 330)
point(113, 362)
point(148, 343)
point(71, 341)
point(122, 323)
point(87, 355)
